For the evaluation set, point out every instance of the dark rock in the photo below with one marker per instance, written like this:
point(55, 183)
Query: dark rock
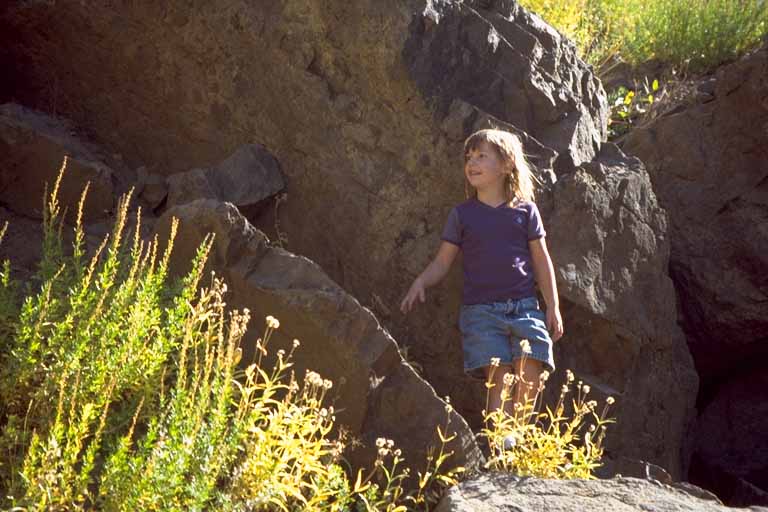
point(247, 177)
point(731, 449)
point(510, 64)
point(185, 187)
point(151, 188)
point(608, 238)
point(709, 167)
point(733, 490)
point(32, 150)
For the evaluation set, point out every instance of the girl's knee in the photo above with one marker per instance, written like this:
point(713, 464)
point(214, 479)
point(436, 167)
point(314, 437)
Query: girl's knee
point(527, 368)
point(498, 371)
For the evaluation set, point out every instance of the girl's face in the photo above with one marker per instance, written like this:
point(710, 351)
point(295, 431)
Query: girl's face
point(484, 168)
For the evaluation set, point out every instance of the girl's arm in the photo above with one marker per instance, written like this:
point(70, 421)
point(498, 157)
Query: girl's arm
point(545, 276)
point(432, 275)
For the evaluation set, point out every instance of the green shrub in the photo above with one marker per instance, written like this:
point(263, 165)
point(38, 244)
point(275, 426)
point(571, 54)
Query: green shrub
point(695, 34)
point(122, 391)
point(690, 34)
point(561, 442)
point(629, 107)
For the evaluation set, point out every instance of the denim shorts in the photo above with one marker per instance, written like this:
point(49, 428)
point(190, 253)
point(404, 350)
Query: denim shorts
point(495, 330)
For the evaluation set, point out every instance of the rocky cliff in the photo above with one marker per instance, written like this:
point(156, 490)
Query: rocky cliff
point(708, 160)
point(365, 105)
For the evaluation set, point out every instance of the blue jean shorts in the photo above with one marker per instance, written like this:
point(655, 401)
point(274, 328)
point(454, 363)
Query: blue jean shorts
point(496, 329)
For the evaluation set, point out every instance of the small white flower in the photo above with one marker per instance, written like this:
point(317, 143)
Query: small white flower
point(313, 378)
point(495, 361)
point(272, 322)
point(525, 345)
point(609, 400)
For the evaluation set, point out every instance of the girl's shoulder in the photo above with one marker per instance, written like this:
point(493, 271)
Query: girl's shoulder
point(524, 204)
point(529, 209)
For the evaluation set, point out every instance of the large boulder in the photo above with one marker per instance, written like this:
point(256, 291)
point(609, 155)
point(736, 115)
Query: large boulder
point(731, 453)
point(32, 150)
point(247, 177)
point(709, 168)
point(502, 492)
point(365, 104)
point(376, 393)
point(509, 63)
point(608, 236)
point(708, 162)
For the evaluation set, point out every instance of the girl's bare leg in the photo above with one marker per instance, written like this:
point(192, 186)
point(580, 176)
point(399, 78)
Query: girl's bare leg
point(529, 370)
point(494, 394)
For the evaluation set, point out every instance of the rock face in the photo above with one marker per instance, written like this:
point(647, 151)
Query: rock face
point(247, 177)
point(505, 61)
point(731, 449)
point(32, 149)
point(21, 245)
point(378, 394)
point(365, 105)
point(609, 237)
point(709, 164)
point(501, 492)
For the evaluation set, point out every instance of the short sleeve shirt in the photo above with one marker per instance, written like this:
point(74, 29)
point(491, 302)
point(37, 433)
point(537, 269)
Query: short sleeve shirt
point(494, 242)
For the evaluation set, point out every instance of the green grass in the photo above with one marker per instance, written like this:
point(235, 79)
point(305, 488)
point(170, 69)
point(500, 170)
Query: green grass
point(691, 34)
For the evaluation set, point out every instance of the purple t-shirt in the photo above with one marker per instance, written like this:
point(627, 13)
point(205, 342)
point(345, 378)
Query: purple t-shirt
point(497, 261)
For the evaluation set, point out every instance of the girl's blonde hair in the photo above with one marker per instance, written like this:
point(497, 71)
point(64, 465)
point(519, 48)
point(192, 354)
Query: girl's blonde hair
point(518, 182)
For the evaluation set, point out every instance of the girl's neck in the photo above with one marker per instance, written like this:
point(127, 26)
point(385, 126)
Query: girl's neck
point(492, 197)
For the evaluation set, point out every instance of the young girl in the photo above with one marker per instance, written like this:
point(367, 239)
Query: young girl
point(501, 235)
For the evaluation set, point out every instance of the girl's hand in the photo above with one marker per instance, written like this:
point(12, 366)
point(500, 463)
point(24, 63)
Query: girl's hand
point(554, 323)
point(416, 290)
